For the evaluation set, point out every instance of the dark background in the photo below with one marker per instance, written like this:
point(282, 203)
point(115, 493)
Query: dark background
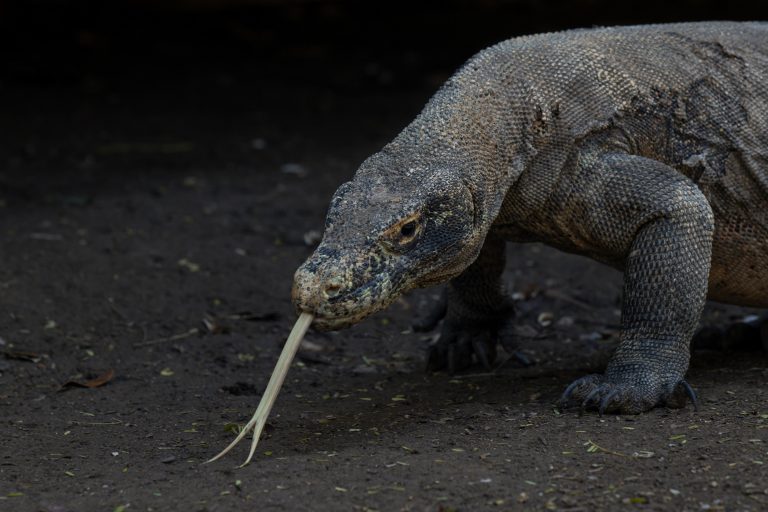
point(60, 42)
point(78, 77)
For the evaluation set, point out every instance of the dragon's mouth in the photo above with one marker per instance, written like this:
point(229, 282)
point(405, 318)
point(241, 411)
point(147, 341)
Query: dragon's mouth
point(334, 323)
point(338, 303)
point(351, 312)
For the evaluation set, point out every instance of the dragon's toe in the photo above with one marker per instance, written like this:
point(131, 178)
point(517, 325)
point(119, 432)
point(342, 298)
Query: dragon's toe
point(578, 388)
point(596, 392)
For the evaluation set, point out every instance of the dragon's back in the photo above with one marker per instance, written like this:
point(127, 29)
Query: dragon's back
point(692, 96)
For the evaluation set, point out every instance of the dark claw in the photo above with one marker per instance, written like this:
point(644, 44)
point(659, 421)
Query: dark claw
point(482, 354)
point(607, 401)
point(691, 394)
point(592, 394)
point(565, 399)
point(598, 392)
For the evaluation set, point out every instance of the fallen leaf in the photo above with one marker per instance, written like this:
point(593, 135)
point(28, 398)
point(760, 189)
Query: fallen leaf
point(235, 428)
point(213, 325)
point(91, 383)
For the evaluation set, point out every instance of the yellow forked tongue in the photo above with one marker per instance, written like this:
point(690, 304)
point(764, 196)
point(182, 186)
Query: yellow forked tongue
point(259, 418)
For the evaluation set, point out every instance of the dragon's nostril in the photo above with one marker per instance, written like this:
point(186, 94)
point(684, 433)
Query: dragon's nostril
point(333, 288)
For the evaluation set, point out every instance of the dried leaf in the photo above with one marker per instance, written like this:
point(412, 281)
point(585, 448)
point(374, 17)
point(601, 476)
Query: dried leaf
point(213, 325)
point(91, 383)
point(235, 428)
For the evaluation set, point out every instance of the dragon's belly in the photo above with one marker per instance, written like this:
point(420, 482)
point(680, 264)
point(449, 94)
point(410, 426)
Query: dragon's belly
point(739, 273)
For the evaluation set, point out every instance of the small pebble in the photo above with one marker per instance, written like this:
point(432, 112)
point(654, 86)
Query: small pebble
point(295, 169)
point(312, 237)
point(311, 346)
point(592, 336)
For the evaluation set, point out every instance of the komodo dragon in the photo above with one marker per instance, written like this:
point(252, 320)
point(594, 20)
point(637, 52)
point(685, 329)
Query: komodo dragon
point(645, 148)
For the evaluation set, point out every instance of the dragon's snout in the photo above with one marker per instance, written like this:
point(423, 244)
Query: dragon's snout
point(322, 290)
point(312, 290)
point(339, 291)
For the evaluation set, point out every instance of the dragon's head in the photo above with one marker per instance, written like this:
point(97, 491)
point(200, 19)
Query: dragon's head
point(394, 227)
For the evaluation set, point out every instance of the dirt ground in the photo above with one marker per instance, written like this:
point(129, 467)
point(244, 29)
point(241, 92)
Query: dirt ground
point(150, 225)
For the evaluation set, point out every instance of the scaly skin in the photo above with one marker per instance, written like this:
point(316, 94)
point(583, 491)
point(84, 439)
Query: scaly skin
point(645, 148)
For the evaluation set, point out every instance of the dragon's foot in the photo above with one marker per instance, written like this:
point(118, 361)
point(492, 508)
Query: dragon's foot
point(458, 351)
point(625, 396)
point(469, 335)
point(460, 346)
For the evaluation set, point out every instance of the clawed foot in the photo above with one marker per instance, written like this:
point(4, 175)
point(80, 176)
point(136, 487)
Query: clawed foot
point(465, 341)
point(598, 392)
point(458, 351)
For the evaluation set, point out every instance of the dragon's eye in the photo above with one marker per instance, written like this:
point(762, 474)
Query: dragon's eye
point(404, 233)
point(408, 229)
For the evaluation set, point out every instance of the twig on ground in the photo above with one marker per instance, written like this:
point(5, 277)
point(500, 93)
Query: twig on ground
point(175, 337)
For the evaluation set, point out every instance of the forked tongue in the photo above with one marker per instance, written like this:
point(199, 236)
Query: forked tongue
point(259, 418)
